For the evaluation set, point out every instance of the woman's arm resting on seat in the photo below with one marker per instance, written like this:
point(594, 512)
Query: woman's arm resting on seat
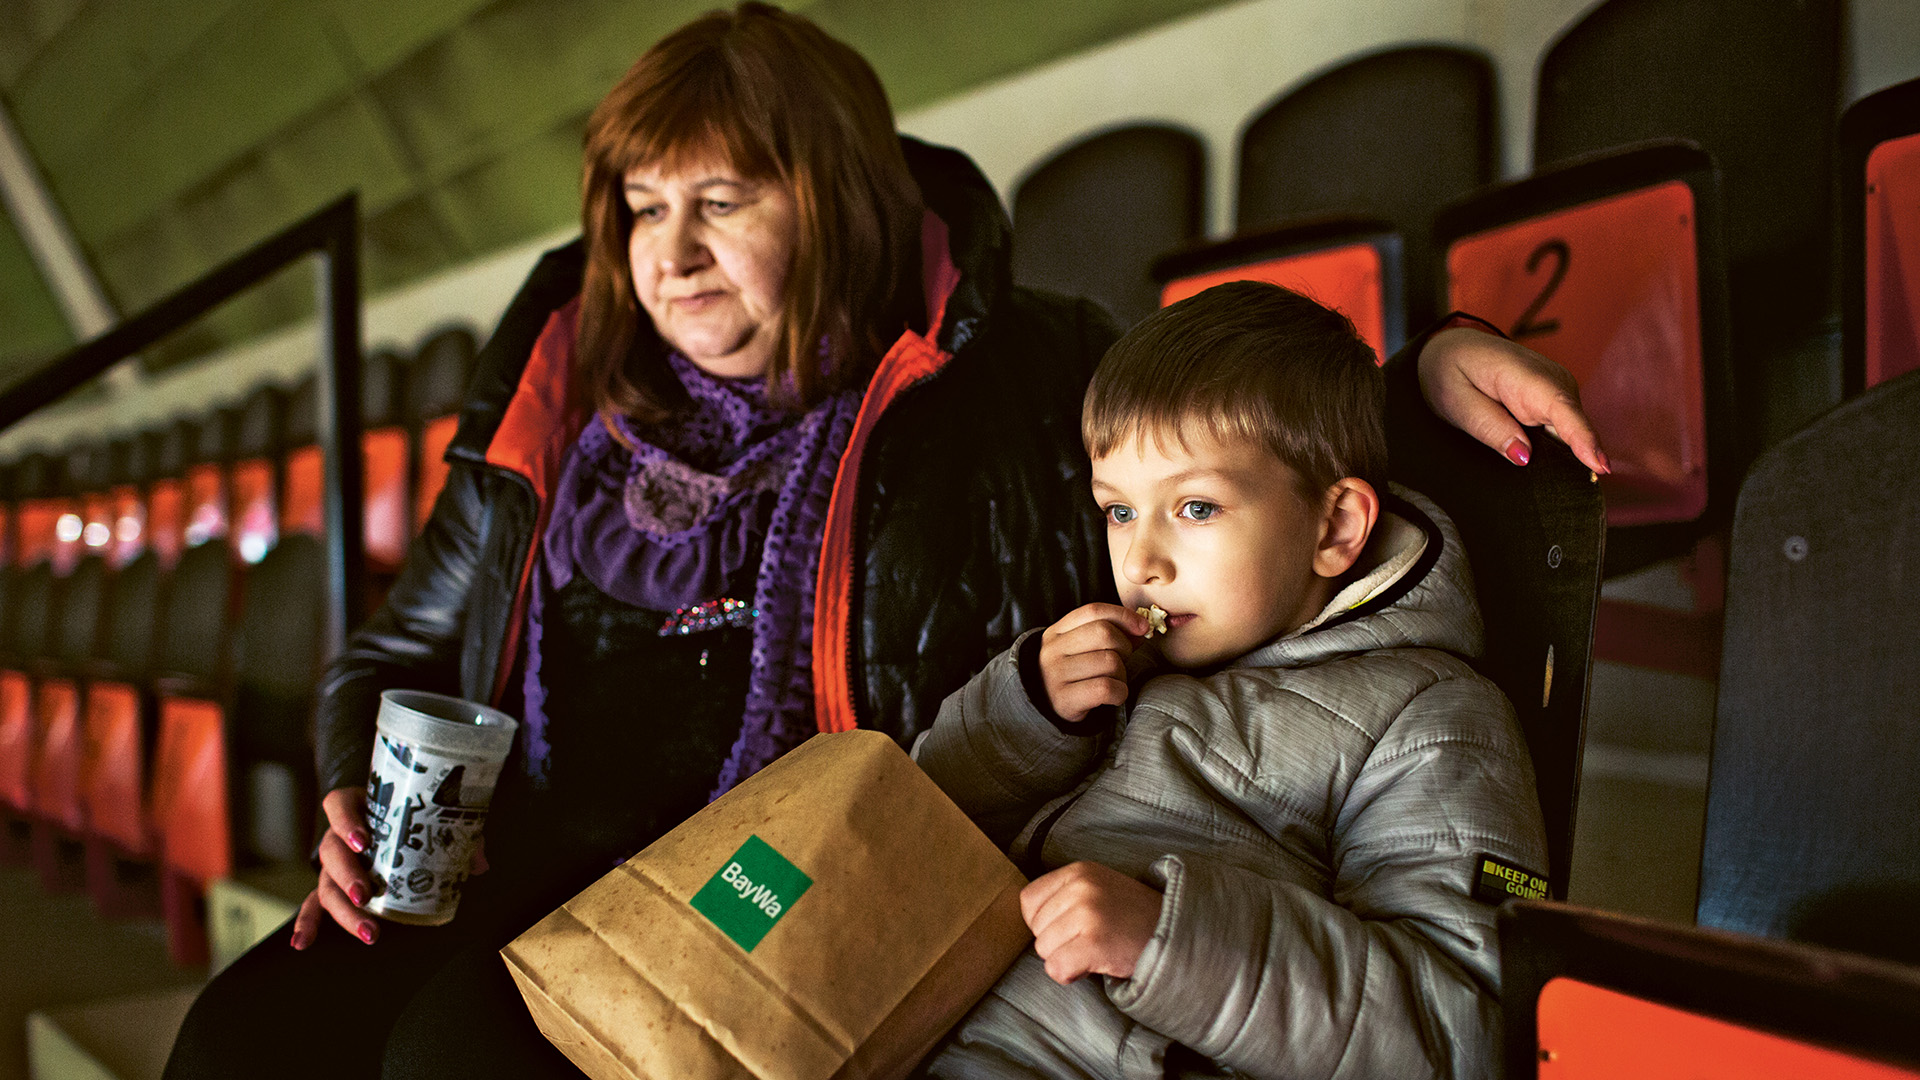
point(1490, 388)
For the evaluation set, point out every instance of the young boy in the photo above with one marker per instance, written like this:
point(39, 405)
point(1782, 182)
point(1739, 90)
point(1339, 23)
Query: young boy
point(1270, 858)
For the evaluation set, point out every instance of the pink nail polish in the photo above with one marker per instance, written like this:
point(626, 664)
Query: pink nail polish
point(366, 933)
point(358, 894)
point(358, 842)
point(1517, 452)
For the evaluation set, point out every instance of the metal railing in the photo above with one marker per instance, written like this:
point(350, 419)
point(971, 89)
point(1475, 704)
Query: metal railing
point(332, 236)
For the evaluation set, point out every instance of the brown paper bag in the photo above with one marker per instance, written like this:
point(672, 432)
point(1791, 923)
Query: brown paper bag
point(830, 917)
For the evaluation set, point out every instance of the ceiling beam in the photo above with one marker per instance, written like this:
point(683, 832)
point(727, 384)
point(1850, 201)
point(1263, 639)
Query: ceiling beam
point(49, 239)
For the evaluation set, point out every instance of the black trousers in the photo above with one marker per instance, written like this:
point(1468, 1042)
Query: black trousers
point(420, 1003)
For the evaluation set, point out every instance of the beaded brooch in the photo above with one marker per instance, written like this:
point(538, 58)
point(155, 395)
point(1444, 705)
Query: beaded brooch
point(709, 615)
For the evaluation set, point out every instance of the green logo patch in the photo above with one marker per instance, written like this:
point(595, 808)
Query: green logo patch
point(750, 893)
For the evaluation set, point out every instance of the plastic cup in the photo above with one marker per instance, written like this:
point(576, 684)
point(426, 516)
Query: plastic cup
point(435, 762)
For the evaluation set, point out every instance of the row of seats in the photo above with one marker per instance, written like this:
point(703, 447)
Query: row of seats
point(162, 627)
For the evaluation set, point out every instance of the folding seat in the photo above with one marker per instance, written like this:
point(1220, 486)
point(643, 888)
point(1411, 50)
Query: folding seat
point(207, 508)
point(59, 691)
point(172, 446)
point(255, 472)
point(1593, 996)
point(1612, 267)
point(39, 483)
point(1535, 538)
point(436, 388)
point(1812, 792)
point(1880, 235)
point(277, 659)
point(189, 795)
point(130, 465)
point(1389, 137)
point(1091, 219)
point(120, 716)
point(1352, 265)
point(383, 446)
point(1758, 87)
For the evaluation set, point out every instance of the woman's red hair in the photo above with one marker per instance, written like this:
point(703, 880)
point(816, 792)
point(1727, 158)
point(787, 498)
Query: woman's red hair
point(775, 97)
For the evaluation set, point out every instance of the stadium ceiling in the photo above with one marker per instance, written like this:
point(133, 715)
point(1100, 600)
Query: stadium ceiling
point(174, 133)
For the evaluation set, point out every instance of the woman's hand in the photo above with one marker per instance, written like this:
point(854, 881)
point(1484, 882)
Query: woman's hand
point(1489, 387)
point(345, 884)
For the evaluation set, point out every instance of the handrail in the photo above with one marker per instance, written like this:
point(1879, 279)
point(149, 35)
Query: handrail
point(333, 234)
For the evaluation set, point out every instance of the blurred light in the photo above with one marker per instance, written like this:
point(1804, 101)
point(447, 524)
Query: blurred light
point(198, 533)
point(127, 529)
point(253, 547)
point(96, 534)
point(68, 528)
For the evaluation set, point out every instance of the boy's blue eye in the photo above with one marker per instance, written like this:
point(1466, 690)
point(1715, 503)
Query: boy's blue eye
point(1198, 511)
point(1120, 514)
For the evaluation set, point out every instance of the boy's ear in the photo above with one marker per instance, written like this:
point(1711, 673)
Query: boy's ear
point(1352, 506)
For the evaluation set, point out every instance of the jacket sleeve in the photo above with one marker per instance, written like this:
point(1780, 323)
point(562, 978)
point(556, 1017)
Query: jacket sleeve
point(997, 756)
point(416, 638)
point(1396, 973)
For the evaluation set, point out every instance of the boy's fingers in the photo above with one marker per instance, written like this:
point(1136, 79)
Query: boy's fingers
point(1075, 700)
point(1038, 891)
point(1079, 667)
point(1127, 618)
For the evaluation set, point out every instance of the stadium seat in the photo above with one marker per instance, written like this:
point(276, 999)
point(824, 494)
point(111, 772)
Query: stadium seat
point(131, 465)
point(1762, 99)
point(437, 386)
point(384, 446)
point(90, 473)
point(1091, 219)
point(1880, 235)
point(190, 787)
point(207, 509)
point(1812, 791)
point(1640, 324)
point(255, 472)
point(27, 636)
point(1351, 265)
point(1592, 996)
point(1392, 136)
point(172, 447)
point(59, 763)
point(1535, 539)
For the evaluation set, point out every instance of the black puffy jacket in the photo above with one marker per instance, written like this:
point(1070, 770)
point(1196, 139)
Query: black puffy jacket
point(969, 520)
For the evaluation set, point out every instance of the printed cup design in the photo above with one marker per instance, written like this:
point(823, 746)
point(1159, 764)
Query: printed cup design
point(435, 763)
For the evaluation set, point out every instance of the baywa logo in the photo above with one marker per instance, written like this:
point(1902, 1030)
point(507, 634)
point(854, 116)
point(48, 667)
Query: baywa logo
point(750, 893)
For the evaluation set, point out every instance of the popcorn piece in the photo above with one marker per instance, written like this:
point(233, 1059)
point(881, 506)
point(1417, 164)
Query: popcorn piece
point(1156, 618)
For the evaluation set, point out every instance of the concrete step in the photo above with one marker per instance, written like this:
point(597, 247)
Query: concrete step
point(245, 908)
point(119, 1039)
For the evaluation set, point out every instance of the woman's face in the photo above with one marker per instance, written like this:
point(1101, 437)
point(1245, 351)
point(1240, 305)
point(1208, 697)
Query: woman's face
point(710, 251)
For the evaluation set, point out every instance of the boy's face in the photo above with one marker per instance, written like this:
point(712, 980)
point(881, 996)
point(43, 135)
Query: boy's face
point(1217, 534)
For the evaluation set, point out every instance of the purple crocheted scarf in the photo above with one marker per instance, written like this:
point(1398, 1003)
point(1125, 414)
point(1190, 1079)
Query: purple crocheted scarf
point(669, 524)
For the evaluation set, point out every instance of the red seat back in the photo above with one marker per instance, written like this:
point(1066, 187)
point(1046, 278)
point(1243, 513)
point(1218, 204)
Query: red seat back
point(17, 741)
point(1350, 266)
point(113, 766)
point(56, 760)
point(189, 801)
point(1599, 267)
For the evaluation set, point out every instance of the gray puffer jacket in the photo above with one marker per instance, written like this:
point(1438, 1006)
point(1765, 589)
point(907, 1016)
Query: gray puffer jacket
point(1314, 811)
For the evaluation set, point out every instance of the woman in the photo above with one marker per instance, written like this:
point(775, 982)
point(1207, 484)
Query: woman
point(776, 448)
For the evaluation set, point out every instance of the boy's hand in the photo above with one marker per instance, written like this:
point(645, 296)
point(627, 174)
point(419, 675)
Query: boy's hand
point(1089, 919)
point(1083, 658)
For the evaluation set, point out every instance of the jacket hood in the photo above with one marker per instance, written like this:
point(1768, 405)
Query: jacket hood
point(1415, 590)
point(979, 236)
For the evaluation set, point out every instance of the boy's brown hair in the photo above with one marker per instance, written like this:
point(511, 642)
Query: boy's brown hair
point(1247, 360)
